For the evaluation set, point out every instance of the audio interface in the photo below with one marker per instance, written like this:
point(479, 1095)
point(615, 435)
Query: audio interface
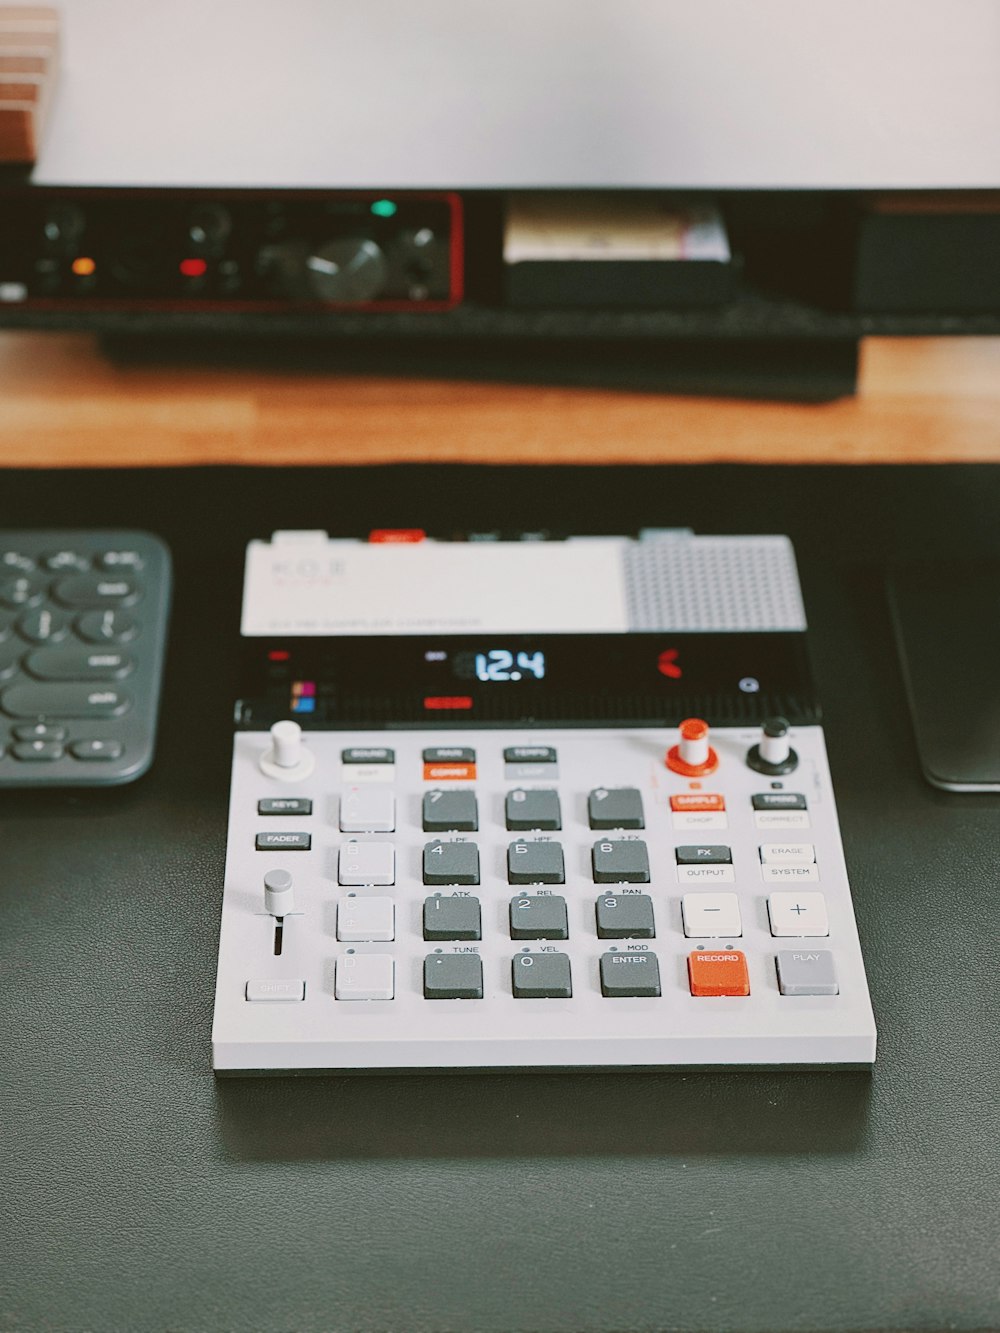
point(65, 249)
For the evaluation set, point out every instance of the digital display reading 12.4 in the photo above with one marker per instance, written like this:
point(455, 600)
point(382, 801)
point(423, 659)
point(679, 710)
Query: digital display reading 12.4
point(502, 664)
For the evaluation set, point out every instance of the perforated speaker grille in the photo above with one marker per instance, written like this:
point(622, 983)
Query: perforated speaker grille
point(713, 583)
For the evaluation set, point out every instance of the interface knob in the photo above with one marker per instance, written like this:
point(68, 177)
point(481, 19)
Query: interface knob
point(692, 757)
point(288, 759)
point(278, 899)
point(773, 753)
point(350, 268)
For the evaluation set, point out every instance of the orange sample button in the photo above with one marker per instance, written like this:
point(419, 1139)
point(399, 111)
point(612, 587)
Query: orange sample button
point(722, 973)
point(449, 772)
point(697, 801)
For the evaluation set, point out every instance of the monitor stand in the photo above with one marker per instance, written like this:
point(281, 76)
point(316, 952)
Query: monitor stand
point(947, 624)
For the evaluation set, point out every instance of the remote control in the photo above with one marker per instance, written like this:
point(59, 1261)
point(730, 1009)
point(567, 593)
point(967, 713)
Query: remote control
point(532, 805)
point(83, 625)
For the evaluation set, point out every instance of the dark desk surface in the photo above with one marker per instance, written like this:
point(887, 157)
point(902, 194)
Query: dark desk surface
point(140, 1194)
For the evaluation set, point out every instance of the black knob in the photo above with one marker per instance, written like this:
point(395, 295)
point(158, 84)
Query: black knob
point(62, 228)
point(208, 229)
point(350, 268)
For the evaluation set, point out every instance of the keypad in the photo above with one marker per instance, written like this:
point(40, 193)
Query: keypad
point(82, 625)
point(459, 896)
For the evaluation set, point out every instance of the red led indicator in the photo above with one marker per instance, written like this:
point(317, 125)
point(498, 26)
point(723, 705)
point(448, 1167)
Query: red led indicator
point(388, 535)
point(193, 268)
point(666, 664)
point(278, 655)
point(457, 701)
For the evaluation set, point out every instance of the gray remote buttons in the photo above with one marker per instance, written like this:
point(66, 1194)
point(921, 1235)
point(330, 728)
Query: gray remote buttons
point(83, 625)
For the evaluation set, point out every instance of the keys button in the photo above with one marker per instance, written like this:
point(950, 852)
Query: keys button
point(722, 973)
point(39, 731)
point(42, 626)
point(451, 863)
point(625, 917)
point(539, 917)
point(96, 590)
point(452, 918)
point(364, 976)
point(42, 752)
point(20, 591)
point(533, 809)
point(453, 977)
point(541, 976)
point(630, 975)
point(65, 562)
point(450, 812)
point(807, 972)
point(619, 807)
point(535, 863)
point(620, 862)
point(96, 751)
point(365, 863)
point(106, 627)
point(366, 919)
point(285, 805)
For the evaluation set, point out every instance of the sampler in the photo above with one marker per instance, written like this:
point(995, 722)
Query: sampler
point(532, 803)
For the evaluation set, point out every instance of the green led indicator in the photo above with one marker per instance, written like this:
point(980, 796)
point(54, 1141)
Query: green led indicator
point(384, 208)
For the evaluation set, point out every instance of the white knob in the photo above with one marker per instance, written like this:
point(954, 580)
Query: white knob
point(287, 758)
point(774, 744)
point(286, 744)
point(694, 742)
point(278, 898)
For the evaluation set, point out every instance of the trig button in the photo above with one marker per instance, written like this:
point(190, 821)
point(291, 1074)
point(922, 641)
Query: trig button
point(450, 812)
point(538, 808)
point(453, 977)
point(615, 807)
point(626, 975)
point(722, 973)
point(541, 976)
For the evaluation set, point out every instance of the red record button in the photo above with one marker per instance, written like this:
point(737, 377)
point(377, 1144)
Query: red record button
point(722, 973)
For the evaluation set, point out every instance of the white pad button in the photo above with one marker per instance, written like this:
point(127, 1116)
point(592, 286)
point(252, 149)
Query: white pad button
point(364, 976)
point(365, 919)
point(367, 863)
point(798, 914)
point(368, 810)
point(711, 915)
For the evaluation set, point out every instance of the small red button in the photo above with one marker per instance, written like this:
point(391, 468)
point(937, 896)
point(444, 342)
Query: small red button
point(697, 801)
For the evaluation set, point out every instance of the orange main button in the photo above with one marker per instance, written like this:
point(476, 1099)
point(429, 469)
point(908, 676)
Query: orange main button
point(722, 973)
point(697, 801)
point(449, 772)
